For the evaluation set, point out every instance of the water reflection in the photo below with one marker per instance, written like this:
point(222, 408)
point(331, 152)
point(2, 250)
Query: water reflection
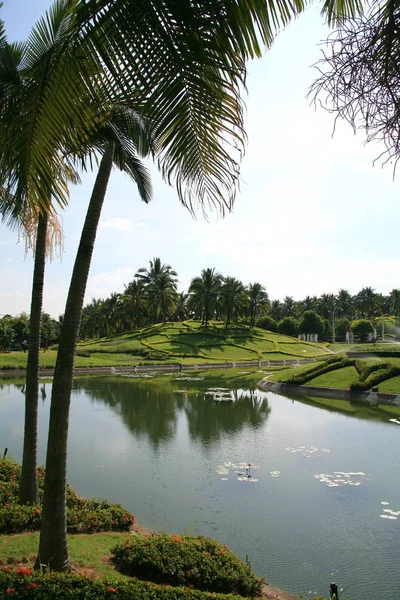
point(209, 420)
point(359, 410)
point(153, 412)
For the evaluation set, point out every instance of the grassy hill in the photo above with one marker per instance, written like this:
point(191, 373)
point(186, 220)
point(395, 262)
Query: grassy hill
point(186, 342)
point(190, 342)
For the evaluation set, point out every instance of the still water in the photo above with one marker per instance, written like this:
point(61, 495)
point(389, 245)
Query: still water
point(176, 457)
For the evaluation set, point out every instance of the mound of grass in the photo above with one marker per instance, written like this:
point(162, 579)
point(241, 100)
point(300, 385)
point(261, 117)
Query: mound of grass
point(340, 379)
point(186, 561)
point(83, 516)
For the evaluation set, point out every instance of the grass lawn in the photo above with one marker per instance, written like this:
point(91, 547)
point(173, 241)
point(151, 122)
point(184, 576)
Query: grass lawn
point(390, 386)
point(187, 342)
point(288, 373)
point(87, 551)
point(339, 379)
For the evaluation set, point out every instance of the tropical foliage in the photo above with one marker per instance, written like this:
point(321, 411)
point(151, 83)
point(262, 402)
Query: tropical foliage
point(187, 561)
point(214, 296)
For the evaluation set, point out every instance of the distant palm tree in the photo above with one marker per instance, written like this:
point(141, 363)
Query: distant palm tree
point(326, 305)
point(258, 301)
point(233, 299)
point(288, 307)
point(366, 301)
point(276, 310)
point(345, 304)
point(394, 297)
point(181, 308)
point(204, 294)
point(309, 303)
point(161, 287)
point(135, 303)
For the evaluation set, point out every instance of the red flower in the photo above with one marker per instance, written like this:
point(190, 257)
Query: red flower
point(10, 590)
point(177, 538)
point(191, 586)
point(110, 589)
point(31, 586)
point(23, 571)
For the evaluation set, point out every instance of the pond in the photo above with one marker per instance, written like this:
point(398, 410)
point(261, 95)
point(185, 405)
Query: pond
point(321, 504)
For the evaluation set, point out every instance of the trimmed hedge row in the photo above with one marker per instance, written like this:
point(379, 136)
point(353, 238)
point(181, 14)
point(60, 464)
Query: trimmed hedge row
point(23, 583)
point(321, 368)
point(186, 561)
point(376, 377)
point(83, 516)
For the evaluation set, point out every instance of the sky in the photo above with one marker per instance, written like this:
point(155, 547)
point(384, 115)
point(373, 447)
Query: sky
point(313, 215)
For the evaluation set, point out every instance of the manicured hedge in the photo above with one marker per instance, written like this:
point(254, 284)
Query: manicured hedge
point(376, 377)
point(23, 583)
point(83, 516)
point(320, 369)
point(184, 560)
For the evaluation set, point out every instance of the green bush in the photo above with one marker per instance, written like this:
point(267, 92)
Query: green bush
point(83, 516)
point(188, 561)
point(23, 583)
point(267, 323)
point(311, 322)
point(320, 368)
point(376, 377)
point(361, 328)
point(288, 326)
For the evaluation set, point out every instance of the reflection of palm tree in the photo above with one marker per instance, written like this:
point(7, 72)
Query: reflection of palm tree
point(148, 413)
point(208, 419)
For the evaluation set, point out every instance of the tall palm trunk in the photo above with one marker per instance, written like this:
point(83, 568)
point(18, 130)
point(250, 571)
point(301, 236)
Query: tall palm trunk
point(53, 546)
point(28, 489)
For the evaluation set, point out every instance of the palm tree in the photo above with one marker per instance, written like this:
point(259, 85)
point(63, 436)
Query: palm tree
point(309, 303)
point(344, 303)
point(288, 307)
point(135, 303)
point(118, 141)
point(367, 301)
point(395, 302)
point(204, 294)
point(161, 287)
point(233, 298)
point(22, 79)
point(326, 305)
point(181, 308)
point(258, 301)
point(276, 310)
point(189, 85)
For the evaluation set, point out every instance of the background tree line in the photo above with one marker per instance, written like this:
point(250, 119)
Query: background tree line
point(153, 297)
point(15, 330)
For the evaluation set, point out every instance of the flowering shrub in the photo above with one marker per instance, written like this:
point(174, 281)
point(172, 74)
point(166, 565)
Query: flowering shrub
point(22, 583)
point(83, 516)
point(188, 561)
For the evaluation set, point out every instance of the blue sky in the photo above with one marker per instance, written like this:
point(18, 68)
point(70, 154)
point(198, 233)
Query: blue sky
point(313, 215)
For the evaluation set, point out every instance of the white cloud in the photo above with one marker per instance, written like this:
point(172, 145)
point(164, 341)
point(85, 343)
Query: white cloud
point(103, 284)
point(117, 224)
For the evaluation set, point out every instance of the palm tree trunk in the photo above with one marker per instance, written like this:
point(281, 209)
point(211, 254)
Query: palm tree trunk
point(53, 546)
point(28, 488)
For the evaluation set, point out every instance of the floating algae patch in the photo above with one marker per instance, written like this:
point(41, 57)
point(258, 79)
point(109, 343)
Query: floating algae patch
point(188, 378)
point(397, 421)
point(243, 474)
point(274, 473)
point(342, 478)
point(220, 394)
point(388, 513)
point(308, 450)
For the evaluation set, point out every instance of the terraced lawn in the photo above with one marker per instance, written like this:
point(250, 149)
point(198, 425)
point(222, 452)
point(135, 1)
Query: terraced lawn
point(339, 379)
